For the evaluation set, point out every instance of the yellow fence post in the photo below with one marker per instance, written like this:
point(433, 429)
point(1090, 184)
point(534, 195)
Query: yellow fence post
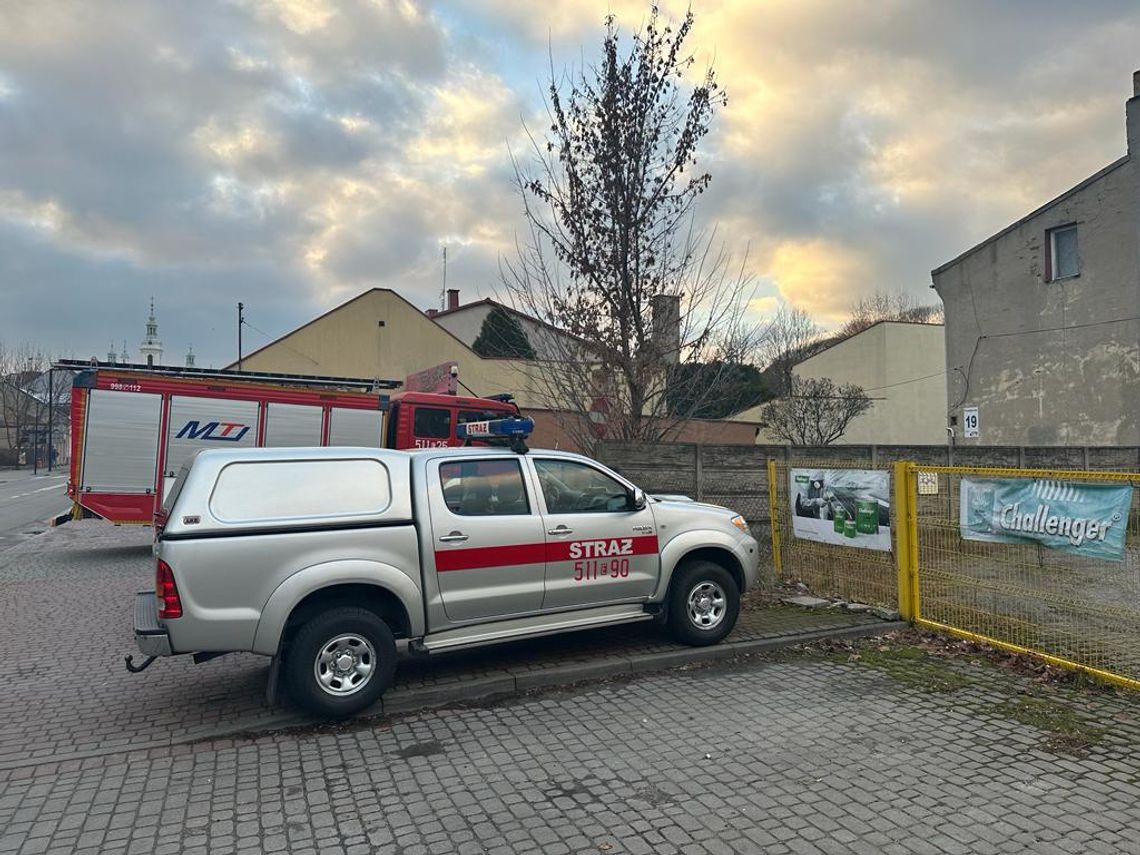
point(774, 519)
point(912, 537)
point(906, 546)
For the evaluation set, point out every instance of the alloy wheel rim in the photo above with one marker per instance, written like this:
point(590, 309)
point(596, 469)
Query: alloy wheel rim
point(706, 605)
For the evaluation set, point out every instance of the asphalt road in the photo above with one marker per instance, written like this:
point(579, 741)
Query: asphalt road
point(27, 501)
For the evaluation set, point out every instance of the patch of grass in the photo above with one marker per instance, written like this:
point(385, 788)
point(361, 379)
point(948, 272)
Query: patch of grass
point(1067, 733)
point(907, 664)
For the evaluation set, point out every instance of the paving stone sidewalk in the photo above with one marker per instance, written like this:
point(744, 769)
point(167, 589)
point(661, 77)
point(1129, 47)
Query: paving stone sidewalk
point(795, 756)
point(65, 623)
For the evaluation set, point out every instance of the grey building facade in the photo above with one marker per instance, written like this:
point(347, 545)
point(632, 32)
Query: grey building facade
point(1043, 318)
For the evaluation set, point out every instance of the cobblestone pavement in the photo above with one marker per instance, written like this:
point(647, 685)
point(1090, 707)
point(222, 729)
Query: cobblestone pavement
point(65, 625)
point(792, 756)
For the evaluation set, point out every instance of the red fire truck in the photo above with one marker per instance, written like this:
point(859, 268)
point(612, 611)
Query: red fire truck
point(133, 426)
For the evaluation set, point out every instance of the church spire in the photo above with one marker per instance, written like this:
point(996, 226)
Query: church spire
point(151, 347)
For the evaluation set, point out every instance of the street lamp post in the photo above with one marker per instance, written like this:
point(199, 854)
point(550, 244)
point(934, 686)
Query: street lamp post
point(51, 416)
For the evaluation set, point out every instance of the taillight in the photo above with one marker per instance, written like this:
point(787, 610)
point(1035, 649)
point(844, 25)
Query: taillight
point(169, 604)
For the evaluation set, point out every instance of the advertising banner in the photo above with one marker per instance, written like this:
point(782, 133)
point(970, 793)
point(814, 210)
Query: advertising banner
point(846, 507)
point(1083, 519)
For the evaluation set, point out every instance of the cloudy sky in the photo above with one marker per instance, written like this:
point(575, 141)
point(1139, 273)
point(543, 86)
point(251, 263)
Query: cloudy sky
point(291, 153)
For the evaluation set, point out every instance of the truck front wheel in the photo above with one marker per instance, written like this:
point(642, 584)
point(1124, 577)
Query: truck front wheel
point(340, 662)
point(703, 603)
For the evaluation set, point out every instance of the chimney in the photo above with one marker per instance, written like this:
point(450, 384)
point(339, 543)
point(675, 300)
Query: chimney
point(452, 298)
point(666, 320)
point(431, 313)
point(1132, 112)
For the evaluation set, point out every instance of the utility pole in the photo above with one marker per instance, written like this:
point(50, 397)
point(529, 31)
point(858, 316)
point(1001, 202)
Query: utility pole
point(241, 320)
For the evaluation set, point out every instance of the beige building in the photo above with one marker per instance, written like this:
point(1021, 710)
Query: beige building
point(465, 322)
point(902, 368)
point(1043, 318)
point(380, 334)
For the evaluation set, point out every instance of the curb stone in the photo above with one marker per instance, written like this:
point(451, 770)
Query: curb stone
point(647, 663)
point(491, 687)
point(515, 684)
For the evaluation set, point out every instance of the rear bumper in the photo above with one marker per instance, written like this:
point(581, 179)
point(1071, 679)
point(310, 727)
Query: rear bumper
point(150, 636)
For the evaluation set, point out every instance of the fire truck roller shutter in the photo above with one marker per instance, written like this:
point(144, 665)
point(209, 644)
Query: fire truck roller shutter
point(121, 442)
point(356, 427)
point(292, 425)
point(197, 423)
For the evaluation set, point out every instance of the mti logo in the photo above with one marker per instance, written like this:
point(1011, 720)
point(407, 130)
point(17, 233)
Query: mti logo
point(213, 431)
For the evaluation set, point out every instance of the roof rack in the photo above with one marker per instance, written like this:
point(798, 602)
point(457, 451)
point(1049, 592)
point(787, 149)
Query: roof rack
point(512, 432)
point(358, 383)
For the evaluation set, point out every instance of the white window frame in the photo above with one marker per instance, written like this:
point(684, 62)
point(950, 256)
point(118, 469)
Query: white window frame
point(1054, 275)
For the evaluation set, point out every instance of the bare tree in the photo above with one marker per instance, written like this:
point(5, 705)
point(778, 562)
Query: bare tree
point(817, 412)
point(612, 255)
point(789, 337)
point(22, 402)
point(888, 306)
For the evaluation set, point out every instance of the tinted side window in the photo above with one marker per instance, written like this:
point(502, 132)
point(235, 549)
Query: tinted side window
point(574, 488)
point(480, 488)
point(432, 423)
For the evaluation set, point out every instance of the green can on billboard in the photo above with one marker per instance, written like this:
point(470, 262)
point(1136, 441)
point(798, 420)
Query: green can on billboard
point(867, 517)
point(840, 519)
point(849, 529)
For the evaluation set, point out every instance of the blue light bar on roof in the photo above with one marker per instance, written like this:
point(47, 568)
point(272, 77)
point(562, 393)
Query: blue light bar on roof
point(499, 428)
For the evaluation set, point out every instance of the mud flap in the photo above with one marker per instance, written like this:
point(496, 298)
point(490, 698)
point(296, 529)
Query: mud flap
point(273, 682)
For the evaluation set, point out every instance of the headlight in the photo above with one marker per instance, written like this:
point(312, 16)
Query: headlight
point(741, 524)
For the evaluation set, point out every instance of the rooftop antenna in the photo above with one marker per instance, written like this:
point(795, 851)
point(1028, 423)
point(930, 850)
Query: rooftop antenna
point(443, 291)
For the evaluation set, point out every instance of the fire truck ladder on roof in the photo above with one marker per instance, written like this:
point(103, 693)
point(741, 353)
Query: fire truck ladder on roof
point(357, 383)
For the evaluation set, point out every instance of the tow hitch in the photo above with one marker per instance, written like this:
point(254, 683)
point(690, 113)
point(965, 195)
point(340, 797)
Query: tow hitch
point(138, 669)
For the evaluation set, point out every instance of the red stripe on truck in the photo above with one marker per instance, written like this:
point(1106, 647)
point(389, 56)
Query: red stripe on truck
point(479, 557)
point(489, 556)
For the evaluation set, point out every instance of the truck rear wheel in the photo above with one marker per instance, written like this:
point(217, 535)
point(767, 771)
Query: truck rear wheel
point(340, 662)
point(704, 603)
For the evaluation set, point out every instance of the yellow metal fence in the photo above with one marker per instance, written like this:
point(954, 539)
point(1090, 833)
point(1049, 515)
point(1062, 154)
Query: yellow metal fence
point(856, 575)
point(1073, 610)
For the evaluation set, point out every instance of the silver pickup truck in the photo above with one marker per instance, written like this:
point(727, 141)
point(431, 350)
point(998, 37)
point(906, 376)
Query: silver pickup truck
point(323, 557)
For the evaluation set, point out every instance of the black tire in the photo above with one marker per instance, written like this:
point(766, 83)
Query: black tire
point(696, 579)
point(340, 632)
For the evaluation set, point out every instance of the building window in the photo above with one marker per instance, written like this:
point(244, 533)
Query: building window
point(1063, 259)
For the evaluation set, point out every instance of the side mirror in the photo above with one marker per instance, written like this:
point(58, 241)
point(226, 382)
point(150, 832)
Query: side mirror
point(637, 500)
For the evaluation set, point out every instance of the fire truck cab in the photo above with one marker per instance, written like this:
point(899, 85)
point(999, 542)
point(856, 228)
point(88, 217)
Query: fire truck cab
point(431, 420)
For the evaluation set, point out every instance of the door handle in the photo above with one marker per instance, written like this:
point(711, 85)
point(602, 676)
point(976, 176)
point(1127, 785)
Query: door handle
point(560, 530)
point(454, 537)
